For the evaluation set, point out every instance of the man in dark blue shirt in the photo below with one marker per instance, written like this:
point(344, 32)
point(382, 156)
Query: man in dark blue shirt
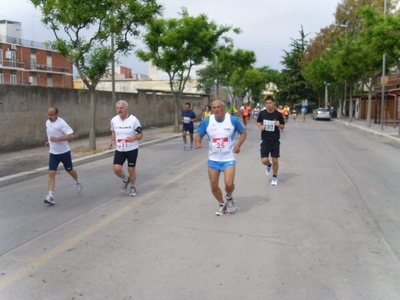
point(188, 116)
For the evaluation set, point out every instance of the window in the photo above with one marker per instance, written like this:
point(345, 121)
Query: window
point(33, 80)
point(13, 79)
point(13, 59)
point(49, 61)
point(49, 80)
point(33, 60)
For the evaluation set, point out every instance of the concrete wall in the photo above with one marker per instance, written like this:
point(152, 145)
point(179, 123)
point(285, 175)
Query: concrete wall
point(23, 112)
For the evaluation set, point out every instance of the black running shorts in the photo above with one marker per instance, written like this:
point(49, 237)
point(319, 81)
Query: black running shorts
point(270, 146)
point(131, 156)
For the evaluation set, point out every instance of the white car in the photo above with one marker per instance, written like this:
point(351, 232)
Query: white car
point(321, 113)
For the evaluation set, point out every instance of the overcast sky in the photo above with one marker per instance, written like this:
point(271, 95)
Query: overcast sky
point(268, 26)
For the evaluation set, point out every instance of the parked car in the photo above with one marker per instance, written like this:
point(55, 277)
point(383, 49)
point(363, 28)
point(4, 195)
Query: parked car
point(321, 113)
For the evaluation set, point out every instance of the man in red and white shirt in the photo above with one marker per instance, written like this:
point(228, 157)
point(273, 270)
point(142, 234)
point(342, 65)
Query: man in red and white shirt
point(126, 131)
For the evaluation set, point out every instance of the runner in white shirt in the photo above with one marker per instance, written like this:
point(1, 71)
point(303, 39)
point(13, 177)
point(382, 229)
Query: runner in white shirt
point(126, 131)
point(221, 128)
point(58, 134)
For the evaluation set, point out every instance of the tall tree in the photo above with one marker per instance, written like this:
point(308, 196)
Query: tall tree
point(227, 68)
point(83, 29)
point(176, 45)
point(294, 86)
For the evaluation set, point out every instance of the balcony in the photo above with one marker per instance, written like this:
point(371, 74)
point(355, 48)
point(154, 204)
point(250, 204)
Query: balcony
point(393, 78)
point(47, 68)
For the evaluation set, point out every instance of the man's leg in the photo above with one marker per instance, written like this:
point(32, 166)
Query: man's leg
point(265, 161)
point(214, 179)
point(184, 137)
point(275, 166)
point(132, 175)
point(73, 174)
point(118, 171)
point(191, 138)
point(51, 180)
point(229, 176)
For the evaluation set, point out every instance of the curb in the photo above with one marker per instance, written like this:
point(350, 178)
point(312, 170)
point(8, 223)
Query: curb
point(15, 178)
point(366, 129)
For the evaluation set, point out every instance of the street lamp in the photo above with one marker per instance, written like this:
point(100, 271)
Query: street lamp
point(346, 26)
point(383, 78)
point(326, 92)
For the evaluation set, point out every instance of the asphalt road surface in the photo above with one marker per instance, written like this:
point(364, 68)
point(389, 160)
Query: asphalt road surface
point(330, 229)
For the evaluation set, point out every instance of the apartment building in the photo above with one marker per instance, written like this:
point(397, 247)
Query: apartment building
point(24, 62)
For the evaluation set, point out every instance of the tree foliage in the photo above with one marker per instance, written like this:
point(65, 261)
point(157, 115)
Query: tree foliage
point(294, 87)
point(83, 29)
point(176, 45)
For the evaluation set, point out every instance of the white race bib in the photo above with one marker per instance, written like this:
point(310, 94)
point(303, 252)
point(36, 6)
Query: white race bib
point(220, 144)
point(269, 125)
point(186, 120)
point(122, 143)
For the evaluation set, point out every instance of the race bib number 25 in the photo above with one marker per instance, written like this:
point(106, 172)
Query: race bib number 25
point(220, 144)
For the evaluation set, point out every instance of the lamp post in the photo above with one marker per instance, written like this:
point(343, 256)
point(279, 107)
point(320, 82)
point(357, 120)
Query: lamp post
point(383, 78)
point(346, 26)
point(112, 68)
point(326, 93)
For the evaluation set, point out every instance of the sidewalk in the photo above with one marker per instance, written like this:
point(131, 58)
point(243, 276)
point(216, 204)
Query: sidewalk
point(24, 164)
point(388, 132)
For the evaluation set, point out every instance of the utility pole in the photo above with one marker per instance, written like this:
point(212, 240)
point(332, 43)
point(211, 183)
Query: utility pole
point(383, 79)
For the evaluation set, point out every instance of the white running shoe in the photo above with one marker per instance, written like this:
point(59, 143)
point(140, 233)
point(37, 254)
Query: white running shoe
point(231, 204)
point(133, 191)
point(222, 210)
point(124, 185)
point(268, 170)
point(274, 181)
point(78, 187)
point(49, 199)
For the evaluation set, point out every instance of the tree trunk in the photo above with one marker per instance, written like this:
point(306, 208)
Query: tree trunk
point(351, 104)
point(178, 113)
point(92, 129)
point(340, 110)
point(369, 107)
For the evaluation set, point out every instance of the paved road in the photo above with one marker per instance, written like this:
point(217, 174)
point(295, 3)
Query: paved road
point(329, 230)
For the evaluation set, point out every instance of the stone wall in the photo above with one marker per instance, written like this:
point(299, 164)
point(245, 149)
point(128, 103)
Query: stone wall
point(23, 111)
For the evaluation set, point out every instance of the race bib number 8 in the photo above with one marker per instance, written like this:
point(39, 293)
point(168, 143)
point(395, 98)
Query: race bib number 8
point(269, 125)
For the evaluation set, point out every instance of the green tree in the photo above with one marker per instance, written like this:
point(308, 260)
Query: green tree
point(227, 68)
point(83, 29)
point(176, 45)
point(294, 86)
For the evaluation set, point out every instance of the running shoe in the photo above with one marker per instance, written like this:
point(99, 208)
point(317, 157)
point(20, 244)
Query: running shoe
point(49, 199)
point(274, 181)
point(78, 187)
point(133, 191)
point(231, 204)
point(191, 147)
point(125, 184)
point(268, 170)
point(222, 210)
point(184, 148)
